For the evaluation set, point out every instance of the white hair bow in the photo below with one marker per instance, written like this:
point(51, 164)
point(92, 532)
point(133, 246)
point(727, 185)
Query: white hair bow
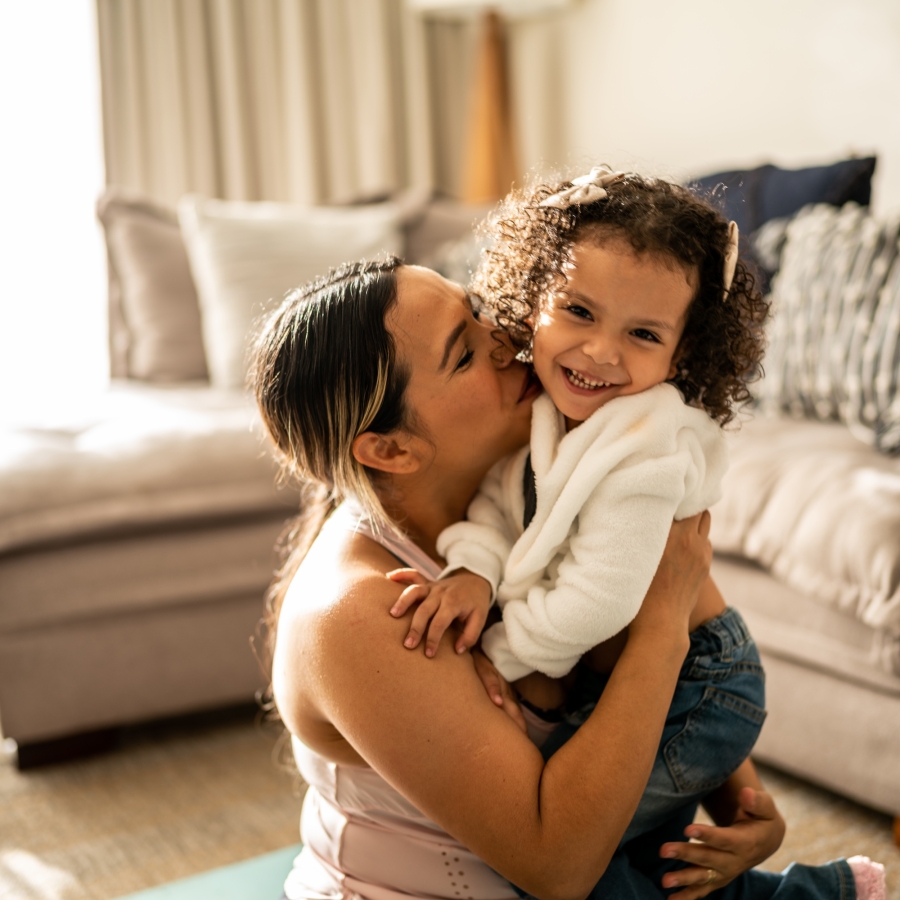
point(731, 258)
point(585, 189)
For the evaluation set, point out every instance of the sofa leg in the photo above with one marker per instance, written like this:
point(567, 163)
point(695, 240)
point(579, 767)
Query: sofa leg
point(65, 749)
point(897, 830)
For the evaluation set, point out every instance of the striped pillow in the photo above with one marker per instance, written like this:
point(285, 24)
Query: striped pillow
point(834, 336)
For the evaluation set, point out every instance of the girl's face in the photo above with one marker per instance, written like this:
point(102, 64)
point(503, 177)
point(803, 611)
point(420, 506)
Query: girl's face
point(467, 393)
point(612, 329)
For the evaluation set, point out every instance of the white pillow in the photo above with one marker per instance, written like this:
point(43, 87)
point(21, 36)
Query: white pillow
point(246, 256)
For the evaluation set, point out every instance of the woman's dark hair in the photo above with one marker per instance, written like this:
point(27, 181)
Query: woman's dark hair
point(324, 370)
point(723, 342)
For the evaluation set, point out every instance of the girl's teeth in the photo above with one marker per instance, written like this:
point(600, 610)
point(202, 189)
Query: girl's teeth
point(582, 382)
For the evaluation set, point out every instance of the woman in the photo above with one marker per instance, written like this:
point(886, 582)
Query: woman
point(381, 384)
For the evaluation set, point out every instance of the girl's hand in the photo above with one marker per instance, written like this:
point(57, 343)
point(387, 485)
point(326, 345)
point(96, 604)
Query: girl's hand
point(498, 689)
point(462, 597)
point(722, 854)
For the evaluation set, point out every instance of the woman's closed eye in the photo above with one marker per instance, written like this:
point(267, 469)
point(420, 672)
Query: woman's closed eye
point(464, 360)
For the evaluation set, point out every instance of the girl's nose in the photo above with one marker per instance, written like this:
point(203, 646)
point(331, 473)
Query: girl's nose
point(602, 349)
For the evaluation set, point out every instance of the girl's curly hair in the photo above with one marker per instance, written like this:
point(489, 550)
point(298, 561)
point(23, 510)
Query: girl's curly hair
point(723, 342)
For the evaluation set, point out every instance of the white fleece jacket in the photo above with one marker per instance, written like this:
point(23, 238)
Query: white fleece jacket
point(607, 493)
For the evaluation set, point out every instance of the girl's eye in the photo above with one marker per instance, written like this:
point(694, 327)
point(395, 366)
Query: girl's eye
point(645, 335)
point(579, 311)
point(465, 360)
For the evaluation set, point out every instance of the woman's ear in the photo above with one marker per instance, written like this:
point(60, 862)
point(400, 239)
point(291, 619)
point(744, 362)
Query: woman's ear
point(391, 453)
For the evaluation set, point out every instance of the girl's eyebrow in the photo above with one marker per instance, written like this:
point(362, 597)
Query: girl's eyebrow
point(658, 324)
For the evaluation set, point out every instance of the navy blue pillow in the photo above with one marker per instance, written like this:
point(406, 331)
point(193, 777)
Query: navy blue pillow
point(751, 197)
point(754, 196)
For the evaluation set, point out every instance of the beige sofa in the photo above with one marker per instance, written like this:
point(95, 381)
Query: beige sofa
point(832, 681)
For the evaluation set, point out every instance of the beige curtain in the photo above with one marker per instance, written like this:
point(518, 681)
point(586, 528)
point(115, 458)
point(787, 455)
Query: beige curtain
point(309, 101)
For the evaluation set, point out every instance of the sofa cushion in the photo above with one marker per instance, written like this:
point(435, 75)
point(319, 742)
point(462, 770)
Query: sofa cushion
point(834, 336)
point(246, 256)
point(153, 308)
point(793, 625)
point(820, 510)
point(136, 457)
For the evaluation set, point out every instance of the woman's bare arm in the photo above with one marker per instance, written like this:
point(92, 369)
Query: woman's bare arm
point(428, 727)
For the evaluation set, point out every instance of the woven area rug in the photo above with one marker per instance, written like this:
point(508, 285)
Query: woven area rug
point(260, 878)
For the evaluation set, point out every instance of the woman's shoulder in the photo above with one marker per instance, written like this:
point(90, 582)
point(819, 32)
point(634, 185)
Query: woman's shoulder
point(341, 580)
point(338, 598)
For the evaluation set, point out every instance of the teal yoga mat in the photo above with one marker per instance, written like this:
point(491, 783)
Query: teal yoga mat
point(260, 878)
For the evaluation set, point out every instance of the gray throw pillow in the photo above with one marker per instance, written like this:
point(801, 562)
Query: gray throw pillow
point(155, 331)
point(834, 336)
point(246, 256)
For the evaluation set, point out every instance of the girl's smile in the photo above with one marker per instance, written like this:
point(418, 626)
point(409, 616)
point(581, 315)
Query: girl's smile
point(613, 329)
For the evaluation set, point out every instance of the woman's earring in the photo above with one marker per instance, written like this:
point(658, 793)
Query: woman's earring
point(524, 355)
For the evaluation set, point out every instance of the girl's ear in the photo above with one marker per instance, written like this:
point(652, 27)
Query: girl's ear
point(392, 453)
point(677, 356)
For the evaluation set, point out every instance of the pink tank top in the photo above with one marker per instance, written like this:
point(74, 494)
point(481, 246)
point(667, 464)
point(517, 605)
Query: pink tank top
point(363, 839)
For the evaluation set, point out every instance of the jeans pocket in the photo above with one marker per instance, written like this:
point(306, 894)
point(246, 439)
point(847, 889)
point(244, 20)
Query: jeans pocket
point(717, 737)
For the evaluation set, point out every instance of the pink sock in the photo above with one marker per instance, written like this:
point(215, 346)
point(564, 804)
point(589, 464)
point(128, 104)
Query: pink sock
point(869, 878)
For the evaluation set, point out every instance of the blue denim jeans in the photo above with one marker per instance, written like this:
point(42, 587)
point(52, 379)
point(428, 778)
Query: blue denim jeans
point(635, 873)
point(716, 714)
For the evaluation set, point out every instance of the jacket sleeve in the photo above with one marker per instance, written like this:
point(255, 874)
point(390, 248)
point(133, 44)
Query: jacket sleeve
point(483, 541)
point(611, 557)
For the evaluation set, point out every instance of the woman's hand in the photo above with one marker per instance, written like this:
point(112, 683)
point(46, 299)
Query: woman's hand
point(721, 854)
point(498, 689)
point(682, 571)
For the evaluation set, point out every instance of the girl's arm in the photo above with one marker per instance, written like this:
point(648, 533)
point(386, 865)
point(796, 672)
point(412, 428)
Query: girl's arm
point(430, 730)
point(482, 542)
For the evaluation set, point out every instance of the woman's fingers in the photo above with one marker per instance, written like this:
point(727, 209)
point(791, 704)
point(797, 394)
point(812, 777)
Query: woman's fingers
point(711, 836)
point(491, 679)
point(499, 689)
point(510, 706)
point(757, 804)
point(704, 523)
point(696, 882)
point(703, 855)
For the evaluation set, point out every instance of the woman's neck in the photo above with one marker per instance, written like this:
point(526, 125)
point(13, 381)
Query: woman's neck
point(424, 506)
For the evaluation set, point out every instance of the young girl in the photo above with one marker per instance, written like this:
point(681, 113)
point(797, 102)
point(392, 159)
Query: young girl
point(644, 329)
